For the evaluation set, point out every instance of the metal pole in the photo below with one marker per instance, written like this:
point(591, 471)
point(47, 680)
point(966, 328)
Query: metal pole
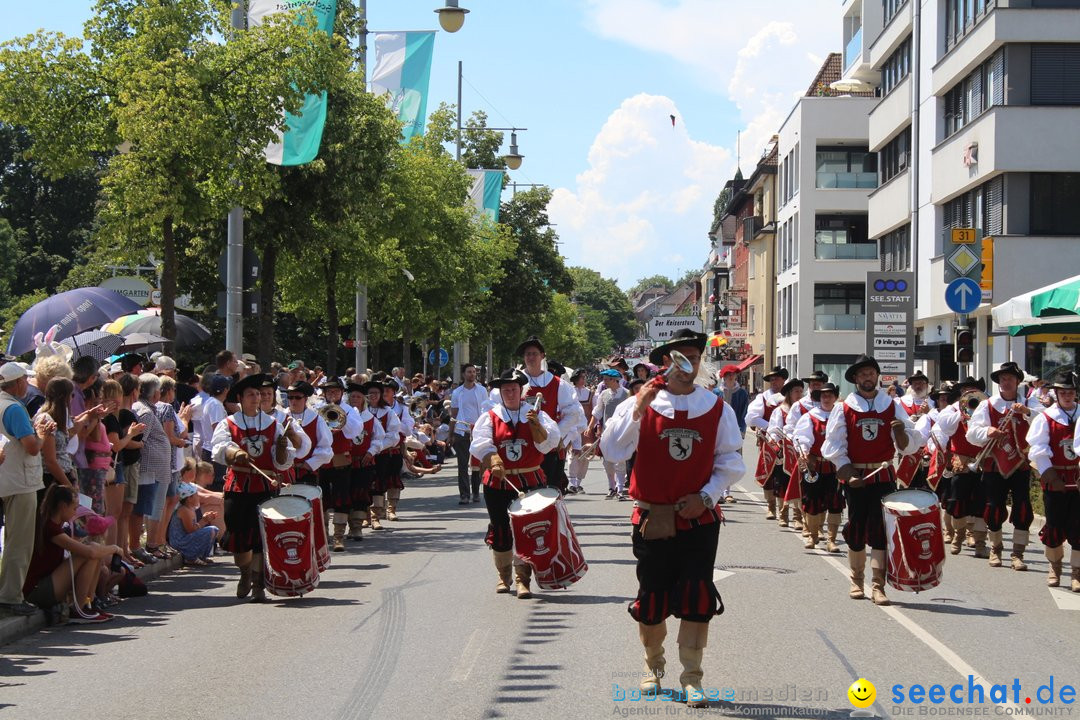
point(916, 63)
point(458, 350)
point(360, 359)
point(234, 252)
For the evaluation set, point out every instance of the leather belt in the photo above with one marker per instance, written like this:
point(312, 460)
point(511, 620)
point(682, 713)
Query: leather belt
point(340, 460)
point(248, 471)
point(522, 471)
point(869, 466)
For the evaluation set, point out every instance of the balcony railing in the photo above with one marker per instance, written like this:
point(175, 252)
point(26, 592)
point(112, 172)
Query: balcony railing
point(846, 251)
point(824, 323)
point(751, 227)
point(847, 180)
point(853, 50)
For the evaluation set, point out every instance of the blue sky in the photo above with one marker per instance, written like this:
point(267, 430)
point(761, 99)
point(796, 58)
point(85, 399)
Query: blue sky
point(595, 82)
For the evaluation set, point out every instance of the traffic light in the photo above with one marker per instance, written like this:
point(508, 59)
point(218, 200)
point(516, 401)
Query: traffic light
point(963, 345)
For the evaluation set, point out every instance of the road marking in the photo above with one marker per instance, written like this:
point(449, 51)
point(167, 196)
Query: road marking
point(721, 574)
point(922, 634)
point(470, 655)
point(1065, 599)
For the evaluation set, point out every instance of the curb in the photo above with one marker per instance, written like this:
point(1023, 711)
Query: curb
point(15, 627)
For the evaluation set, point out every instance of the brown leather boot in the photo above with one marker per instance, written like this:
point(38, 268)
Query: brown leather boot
point(243, 561)
point(377, 511)
point(877, 577)
point(813, 530)
point(947, 527)
point(770, 498)
point(652, 638)
point(959, 532)
point(1054, 557)
point(258, 587)
point(522, 577)
point(392, 497)
point(797, 519)
point(1020, 541)
point(834, 527)
point(997, 544)
point(784, 510)
point(504, 561)
point(857, 563)
point(981, 550)
point(356, 519)
point(339, 537)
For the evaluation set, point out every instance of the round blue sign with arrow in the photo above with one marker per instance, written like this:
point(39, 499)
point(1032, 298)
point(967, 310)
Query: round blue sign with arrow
point(963, 295)
point(443, 357)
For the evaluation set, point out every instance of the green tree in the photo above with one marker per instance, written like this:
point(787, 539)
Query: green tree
point(603, 295)
point(651, 281)
point(190, 103)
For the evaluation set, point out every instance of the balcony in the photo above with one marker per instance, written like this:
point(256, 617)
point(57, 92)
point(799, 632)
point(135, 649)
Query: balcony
point(890, 114)
point(751, 227)
point(853, 50)
point(890, 205)
point(894, 32)
point(846, 180)
point(845, 251)
point(827, 323)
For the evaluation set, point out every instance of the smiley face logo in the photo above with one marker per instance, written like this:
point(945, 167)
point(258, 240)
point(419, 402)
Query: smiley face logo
point(862, 693)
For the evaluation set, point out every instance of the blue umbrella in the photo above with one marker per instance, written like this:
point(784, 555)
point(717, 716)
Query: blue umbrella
point(74, 311)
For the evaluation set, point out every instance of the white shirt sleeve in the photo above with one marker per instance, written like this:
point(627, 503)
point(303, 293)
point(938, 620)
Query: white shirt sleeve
point(947, 423)
point(482, 445)
point(553, 434)
point(1076, 438)
point(353, 423)
point(923, 426)
point(620, 437)
point(392, 431)
point(569, 407)
point(776, 427)
point(378, 437)
point(835, 446)
point(803, 434)
point(979, 424)
point(755, 414)
point(221, 442)
point(728, 464)
point(1038, 439)
point(406, 423)
point(323, 451)
point(796, 412)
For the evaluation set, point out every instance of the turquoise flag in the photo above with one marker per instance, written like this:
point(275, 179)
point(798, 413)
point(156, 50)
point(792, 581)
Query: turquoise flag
point(299, 144)
point(486, 191)
point(402, 72)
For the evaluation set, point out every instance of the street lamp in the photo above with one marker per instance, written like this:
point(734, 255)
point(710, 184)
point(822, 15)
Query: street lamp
point(513, 160)
point(451, 17)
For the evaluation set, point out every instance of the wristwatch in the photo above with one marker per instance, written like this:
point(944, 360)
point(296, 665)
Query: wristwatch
point(707, 499)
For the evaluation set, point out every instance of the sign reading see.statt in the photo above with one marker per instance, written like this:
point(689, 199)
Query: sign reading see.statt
point(890, 322)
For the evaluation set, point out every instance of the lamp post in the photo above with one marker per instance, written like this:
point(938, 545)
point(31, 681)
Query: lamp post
point(451, 18)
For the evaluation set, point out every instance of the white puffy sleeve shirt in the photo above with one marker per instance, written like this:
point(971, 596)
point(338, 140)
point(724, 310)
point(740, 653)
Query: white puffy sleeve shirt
point(835, 447)
point(482, 445)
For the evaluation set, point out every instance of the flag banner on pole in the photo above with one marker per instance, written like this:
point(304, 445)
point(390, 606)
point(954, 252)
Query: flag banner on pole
point(486, 191)
point(299, 144)
point(403, 71)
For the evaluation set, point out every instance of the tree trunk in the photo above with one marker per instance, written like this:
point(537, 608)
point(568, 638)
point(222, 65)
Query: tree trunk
point(406, 356)
point(330, 275)
point(268, 288)
point(168, 285)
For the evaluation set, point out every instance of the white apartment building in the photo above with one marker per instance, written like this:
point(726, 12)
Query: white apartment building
point(980, 101)
point(823, 247)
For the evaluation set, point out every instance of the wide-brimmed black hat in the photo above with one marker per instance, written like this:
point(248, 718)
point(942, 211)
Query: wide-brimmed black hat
point(1008, 368)
point(391, 385)
point(356, 387)
point(617, 361)
point(686, 336)
point(828, 387)
point(372, 385)
point(303, 387)
point(531, 341)
point(776, 372)
point(634, 383)
point(816, 376)
point(333, 384)
point(251, 381)
point(513, 375)
point(970, 382)
point(791, 385)
point(861, 362)
point(577, 373)
point(1065, 381)
point(918, 375)
point(556, 368)
point(945, 388)
point(268, 382)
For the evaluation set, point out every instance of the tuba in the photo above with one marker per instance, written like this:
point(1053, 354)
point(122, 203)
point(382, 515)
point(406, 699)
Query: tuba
point(334, 416)
point(969, 401)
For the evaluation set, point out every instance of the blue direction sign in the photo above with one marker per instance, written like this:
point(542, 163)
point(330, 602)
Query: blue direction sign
point(444, 357)
point(963, 295)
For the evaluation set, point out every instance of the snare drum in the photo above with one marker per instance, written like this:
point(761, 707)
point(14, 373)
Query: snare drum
point(313, 494)
point(916, 549)
point(544, 538)
point(289, 562)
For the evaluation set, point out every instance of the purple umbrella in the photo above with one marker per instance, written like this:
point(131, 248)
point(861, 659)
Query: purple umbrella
point(73, 311)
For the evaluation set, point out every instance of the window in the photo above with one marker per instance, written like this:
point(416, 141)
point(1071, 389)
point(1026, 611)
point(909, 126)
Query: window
point(1055, 204)
point(897, 67)
point(795, 171)
point(961, 16)
point(843, 167)
point(1055, 74)
point(839, 306)
point(843, 237)
point(835, 366)
point(896, 250)
point(979, 208)
point(976, 93)
point(890, 8)
point(750, 321)
point(893, 158)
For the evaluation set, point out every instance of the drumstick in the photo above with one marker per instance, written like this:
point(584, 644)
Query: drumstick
point(271, 480)
point(883, 466)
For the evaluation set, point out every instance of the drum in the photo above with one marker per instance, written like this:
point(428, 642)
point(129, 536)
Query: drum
point(288, 549)
point(916, 549)
point(544, 538)
point(313, 494)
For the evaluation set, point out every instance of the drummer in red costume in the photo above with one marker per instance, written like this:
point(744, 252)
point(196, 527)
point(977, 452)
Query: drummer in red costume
point(819, 488)
point(246, 440)
point(306, 467)
point(916, 403)
point(757, 419)
point(861, 438)
point(560, 403)
point(268, 404)
point(366, 443)
point(1054, 441)
point(965, 499)
point(1006, 468)
point(511, 440)
point(687, 442)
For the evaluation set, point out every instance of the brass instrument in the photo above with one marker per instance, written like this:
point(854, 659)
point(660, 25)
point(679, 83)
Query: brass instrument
point(334, 415)
point(988, 448)
point(969, 401)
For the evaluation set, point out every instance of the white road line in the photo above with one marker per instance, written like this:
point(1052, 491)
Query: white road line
point(470, 655)
point(922, 634)
point(1065, 599)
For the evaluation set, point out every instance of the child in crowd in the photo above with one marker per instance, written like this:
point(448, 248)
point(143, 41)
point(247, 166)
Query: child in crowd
point(193, 536)
point(208, 500)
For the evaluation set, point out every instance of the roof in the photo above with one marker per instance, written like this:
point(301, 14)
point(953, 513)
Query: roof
point(831, 71)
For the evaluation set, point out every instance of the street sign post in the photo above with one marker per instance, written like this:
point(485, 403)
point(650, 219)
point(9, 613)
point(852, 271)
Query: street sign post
point(962, 249)
point(444, 357)
point(963, 295)
point(890, 322)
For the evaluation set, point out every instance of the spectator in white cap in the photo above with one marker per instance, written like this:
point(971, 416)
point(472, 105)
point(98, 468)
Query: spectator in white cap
point(20, 480)
point(165, 365)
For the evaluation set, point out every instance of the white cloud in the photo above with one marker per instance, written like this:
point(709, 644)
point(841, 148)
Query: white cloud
point(646, 195)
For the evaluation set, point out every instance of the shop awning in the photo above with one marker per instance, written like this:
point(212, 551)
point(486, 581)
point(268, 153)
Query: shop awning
point(1054, 308)
point(750, 361)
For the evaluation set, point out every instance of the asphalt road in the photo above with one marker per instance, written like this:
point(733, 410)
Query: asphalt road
point(406, 624)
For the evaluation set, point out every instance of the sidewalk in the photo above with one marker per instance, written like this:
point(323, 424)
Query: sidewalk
point(15, 627)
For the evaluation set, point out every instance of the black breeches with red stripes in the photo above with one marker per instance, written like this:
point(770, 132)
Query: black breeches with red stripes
point(675, 576)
